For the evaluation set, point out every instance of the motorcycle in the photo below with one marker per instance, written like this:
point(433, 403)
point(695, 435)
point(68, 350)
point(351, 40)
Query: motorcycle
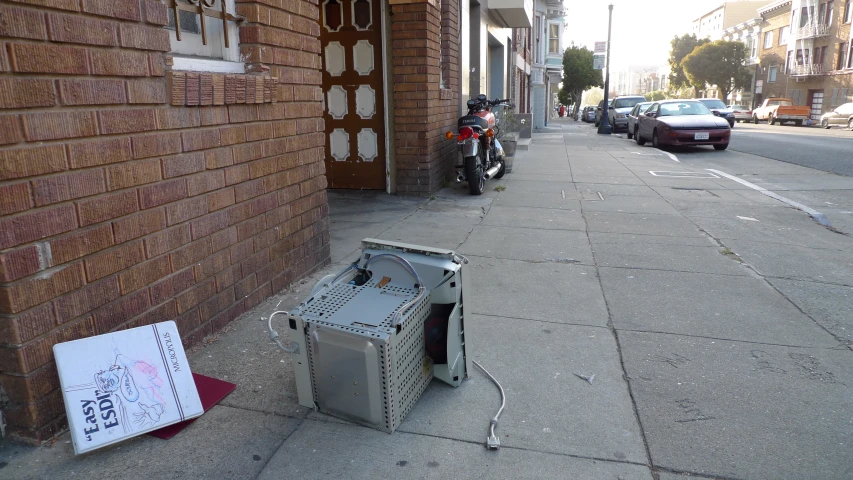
point(482, 154)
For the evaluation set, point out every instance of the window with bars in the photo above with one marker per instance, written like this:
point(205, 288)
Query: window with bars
point(204, 30)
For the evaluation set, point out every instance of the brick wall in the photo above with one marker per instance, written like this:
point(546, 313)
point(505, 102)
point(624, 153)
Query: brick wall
point(131, 195)
point(423, 110)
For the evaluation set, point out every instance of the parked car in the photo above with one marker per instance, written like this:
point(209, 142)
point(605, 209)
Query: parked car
point(635, 113)
point(742, 112)
point(682, 122)
point(718, 108)
point(619, 110)
point(589, 114)
point(841, 116)
point(781, 110)
point(599, 109)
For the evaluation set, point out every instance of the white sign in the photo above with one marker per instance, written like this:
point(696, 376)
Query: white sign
point(126, 383)
point(758, 85)
point(598, 62)
point(600, 47)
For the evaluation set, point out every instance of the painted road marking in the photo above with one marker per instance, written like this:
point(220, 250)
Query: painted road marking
point(659, 173)
point(819, 217)
point(671, 156)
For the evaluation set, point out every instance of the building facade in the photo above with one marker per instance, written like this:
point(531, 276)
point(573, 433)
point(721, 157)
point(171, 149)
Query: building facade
point(809, 57)
point(154, 166)
point(714, 23)
point(750, 33)
point(547, 58)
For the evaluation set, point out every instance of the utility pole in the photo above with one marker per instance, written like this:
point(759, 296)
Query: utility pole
point(604, 127)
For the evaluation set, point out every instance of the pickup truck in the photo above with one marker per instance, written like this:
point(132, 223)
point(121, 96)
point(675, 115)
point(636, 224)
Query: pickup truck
point(780, 110)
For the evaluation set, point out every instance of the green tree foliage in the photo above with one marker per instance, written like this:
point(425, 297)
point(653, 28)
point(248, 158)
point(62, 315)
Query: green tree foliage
point(719, 63)
point(655, 96)
point(593, 96)
point(681, 47)
point(564, 97)
point(578, 74)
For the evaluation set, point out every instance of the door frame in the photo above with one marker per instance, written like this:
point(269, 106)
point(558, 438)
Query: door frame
point(390, 173)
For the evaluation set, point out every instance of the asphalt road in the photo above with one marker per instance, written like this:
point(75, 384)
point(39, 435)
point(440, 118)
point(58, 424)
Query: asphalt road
point(827, 150)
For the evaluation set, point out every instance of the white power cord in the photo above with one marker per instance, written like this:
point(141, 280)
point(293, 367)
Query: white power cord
point(293, 347)
point(493, 442)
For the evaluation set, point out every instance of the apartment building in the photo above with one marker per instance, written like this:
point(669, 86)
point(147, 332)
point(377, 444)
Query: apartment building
point(750, 33)
point(809, 53)
point(547, 58)
point(714, 23)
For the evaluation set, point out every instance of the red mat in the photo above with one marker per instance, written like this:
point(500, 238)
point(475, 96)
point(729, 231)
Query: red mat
point(210, 391)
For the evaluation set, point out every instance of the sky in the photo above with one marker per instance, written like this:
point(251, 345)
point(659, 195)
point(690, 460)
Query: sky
point(642, 29)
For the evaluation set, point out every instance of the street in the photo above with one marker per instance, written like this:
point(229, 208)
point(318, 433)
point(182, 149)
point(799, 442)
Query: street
point(821, 162)
point(828, 150)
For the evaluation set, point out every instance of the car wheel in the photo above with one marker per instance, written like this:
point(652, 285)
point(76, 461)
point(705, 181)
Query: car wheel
point(850, 124)
point(628, 133)
point(755, 119)
point(638, 138)
point(824, 123)
point(655, 143)
point(772, 120)
point(798, 123)
point(721, 147)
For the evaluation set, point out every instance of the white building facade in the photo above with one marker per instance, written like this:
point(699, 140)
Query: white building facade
point(547, 59)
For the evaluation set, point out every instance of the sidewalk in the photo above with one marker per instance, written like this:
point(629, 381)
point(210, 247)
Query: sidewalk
point(720, 346)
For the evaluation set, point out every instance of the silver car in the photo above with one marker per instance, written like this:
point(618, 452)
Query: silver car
point(619, 110)
point(742, 113)
point(840, 117)
point(638, 110)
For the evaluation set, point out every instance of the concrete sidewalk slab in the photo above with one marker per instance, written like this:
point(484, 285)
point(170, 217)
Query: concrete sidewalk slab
point(631, 204)
point(538, 218)
point(797, 262)
point(829, 305)
point(741, 410)
point(646, 224)
point(784, 225)
point(552, 292)
point(225, 443)
point(553, 410)
point(681, 258)
point(321, 450)
point(660, 240)
point(716, 306)
point(544, 198)
point(525, 244)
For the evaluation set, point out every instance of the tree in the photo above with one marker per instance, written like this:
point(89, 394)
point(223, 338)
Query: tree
point(681, 47)
point(719, 63)
point(655, 96)
point(593, 96)
point(563, 97)
point(578, 74)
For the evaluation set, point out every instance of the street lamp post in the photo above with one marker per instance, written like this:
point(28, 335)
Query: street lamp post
point(604, 127)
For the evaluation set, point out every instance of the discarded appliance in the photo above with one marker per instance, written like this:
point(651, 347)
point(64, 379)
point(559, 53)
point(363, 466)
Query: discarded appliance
point(125, 383)
point(367, 341)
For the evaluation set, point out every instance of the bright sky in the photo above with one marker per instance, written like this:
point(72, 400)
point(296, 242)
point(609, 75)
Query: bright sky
point(642, 29)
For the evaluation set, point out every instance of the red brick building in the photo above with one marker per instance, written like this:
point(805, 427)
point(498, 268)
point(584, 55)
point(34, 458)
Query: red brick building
point(169, 159)
point(132, 192)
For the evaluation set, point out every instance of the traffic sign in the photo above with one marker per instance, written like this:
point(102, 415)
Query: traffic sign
point(598, 62)
point(600, 47)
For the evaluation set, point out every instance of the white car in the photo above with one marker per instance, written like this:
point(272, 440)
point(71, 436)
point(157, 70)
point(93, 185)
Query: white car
point(742, 113)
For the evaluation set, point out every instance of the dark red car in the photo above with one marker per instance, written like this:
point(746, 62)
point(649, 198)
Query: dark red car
point(682, 122)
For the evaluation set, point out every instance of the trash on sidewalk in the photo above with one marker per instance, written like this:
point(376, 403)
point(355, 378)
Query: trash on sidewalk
point(588, 378)
point(123, 384)
point(210, 390)
point(367, 341)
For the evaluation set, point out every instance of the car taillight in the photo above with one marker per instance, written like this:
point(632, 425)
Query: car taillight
point(465, 133)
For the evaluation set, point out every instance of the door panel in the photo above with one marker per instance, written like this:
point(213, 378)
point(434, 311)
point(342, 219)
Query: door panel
point(351, 38)
point(816, 103)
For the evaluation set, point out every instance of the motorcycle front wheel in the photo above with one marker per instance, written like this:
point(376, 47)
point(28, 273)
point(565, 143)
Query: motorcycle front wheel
point(474, 173)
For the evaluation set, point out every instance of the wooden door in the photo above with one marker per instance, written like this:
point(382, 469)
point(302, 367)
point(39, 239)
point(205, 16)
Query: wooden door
point(351, 38)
